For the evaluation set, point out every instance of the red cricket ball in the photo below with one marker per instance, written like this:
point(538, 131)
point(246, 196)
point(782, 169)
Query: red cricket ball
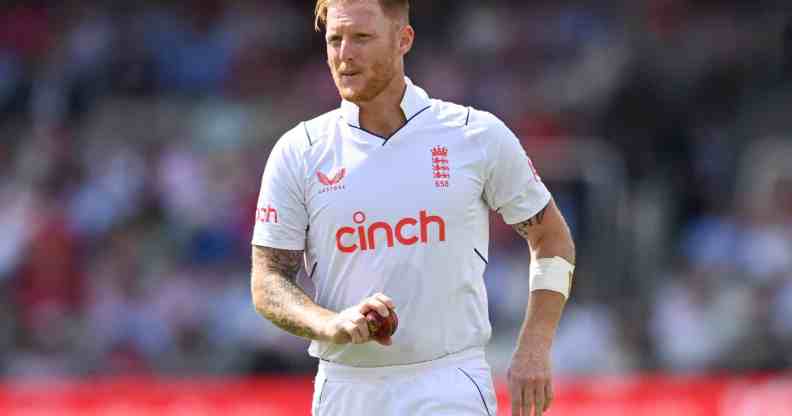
point(382, 328)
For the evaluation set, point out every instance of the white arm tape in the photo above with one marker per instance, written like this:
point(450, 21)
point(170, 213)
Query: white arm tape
point(552, 274)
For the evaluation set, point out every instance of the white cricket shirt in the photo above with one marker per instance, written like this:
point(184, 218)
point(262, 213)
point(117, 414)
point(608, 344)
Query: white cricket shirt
point(407, 216)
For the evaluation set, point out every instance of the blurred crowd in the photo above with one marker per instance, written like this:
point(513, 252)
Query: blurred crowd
point(133, 137)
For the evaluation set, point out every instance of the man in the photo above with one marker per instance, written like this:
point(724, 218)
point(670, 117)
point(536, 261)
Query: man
point(386, 199)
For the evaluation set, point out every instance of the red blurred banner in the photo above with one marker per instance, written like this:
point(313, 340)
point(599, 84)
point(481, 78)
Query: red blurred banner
point(767, 395)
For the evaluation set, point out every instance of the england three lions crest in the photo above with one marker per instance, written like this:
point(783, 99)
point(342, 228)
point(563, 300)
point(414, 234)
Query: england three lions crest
point(441, 170)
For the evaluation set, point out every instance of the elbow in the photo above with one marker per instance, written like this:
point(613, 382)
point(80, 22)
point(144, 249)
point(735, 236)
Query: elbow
point(565, 244)
point(259, 300)
point(572, 252)
point(258, 306)
point(262, 308)
point(556, 244)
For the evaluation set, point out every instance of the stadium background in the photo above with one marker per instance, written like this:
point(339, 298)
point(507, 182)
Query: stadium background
point(134, 136)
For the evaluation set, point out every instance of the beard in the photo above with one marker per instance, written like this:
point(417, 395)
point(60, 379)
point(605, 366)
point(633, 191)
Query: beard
point(380, 76)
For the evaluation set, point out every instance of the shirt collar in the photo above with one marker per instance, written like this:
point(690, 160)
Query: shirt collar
point(415, 99)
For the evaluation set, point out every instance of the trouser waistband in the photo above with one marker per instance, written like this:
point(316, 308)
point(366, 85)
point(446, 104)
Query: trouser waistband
point(341, 372)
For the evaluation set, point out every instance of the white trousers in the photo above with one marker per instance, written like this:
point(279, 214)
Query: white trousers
point(459, 384)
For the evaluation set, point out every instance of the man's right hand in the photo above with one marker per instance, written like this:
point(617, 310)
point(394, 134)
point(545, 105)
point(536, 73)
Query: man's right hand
point(349, 325)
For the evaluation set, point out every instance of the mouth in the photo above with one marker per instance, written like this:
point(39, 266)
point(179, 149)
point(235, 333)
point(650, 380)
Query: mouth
point(349, 74)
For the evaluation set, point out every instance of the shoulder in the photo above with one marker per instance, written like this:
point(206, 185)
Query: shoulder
point(450, 114)
point(491, 134)
point(471, 119)
point(300, 138)
point(318, 128)
point(490, 131)
point(481, 121)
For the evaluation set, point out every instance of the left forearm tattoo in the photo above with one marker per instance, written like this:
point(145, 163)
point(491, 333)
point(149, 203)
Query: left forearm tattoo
point(276, 294)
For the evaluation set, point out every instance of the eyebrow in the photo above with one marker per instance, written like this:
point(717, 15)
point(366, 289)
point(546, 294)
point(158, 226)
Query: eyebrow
point(335, 35)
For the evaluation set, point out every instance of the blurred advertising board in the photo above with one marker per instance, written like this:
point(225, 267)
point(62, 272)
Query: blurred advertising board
point(765, 395)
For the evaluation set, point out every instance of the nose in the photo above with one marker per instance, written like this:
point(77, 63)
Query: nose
point(347, 51)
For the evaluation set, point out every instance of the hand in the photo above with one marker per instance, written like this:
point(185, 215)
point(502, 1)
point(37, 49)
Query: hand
point(349, 325)
point(530, 382)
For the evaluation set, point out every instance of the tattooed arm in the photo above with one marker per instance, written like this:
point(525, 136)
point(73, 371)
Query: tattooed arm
point(530, 375)
point(547, 234)
point(278, 298)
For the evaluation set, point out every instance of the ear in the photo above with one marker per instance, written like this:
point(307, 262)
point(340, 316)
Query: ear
point(406, 39)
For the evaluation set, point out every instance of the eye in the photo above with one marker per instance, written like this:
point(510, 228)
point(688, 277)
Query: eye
point(334, 39)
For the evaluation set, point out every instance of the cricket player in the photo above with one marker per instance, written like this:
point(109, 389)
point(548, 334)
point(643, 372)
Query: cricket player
point(385, 200)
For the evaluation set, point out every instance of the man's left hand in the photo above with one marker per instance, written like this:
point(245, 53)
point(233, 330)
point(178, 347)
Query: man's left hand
point(530, 382)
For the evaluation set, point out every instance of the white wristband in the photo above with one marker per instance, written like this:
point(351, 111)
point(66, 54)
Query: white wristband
point(554, 274)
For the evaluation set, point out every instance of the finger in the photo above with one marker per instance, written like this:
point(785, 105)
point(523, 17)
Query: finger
point(362, 326)
point(527, 400)
point(515, 391)
point(386, 300)
point(517, 401)
point(376, 305)
point(343, 337)
point(548, 395)
point(351, 331)
point(539, 400)
point(373, 304)
point(356, 331)
point(360, 336)
point(357, 319)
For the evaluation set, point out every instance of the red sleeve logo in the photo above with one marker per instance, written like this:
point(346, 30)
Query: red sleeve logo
point(267, 214)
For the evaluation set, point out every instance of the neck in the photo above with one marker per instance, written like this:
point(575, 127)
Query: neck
point(383, 115)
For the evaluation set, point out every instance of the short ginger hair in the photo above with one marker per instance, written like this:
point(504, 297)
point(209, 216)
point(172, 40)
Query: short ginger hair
point(396, 9)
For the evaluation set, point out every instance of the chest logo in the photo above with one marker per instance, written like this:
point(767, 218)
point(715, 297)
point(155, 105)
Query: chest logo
point(440, 167)
point(331, 184)
point(408, 231)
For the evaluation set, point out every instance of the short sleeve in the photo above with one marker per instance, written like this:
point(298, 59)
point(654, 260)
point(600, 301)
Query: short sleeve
point(512, 186)
point(281, 215)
